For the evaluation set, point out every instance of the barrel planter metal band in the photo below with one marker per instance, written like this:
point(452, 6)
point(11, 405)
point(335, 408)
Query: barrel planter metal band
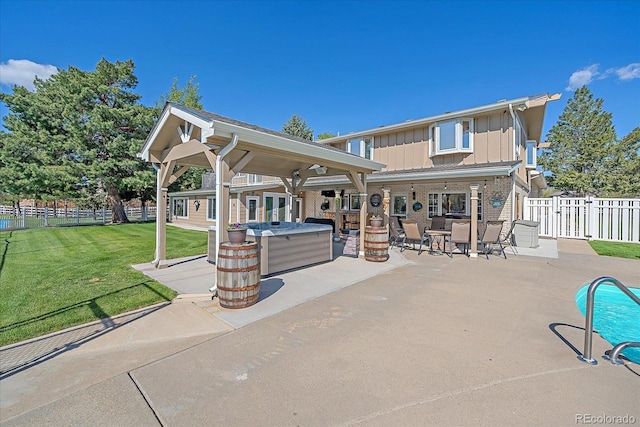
point(376, 244)
point(238, 274)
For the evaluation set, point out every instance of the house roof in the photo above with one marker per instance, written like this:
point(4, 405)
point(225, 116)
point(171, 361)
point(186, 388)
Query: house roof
point(272, 153)
point(434, 173)
point(533, 107)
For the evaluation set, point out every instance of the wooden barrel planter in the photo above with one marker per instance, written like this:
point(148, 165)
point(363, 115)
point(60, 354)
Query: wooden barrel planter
point(376, 244)
point(238, 274)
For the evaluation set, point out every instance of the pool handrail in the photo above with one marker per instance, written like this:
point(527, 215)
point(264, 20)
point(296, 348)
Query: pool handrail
point(588, 317)
point(615, 352)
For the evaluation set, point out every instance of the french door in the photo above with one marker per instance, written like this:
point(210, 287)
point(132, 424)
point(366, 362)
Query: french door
point(276, 207)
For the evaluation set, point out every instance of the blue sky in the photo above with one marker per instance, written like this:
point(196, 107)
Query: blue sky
point(344, 66)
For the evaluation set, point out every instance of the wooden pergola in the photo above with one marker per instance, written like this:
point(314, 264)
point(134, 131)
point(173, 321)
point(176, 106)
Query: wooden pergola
point(184, 137)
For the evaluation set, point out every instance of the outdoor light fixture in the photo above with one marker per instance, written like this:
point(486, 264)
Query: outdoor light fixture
point(485, 183)
point(413, 193)
point(445, 185)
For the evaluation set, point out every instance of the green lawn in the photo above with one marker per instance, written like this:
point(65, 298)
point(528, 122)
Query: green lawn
point(616, 249)
point(53, 278)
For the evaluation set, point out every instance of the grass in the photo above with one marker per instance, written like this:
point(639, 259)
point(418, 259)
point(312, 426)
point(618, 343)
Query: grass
point(54, 278)
point(616, 249)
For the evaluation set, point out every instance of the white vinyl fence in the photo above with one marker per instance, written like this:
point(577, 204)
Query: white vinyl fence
point(31, 217)
point(590, 218)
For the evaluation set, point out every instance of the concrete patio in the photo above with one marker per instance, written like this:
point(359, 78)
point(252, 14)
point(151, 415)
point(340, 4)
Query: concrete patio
point(419, 340)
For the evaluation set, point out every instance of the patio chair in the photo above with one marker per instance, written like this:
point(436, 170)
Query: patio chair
point(396, 233)
point(492, 237)
point(507, 239)
point(460, 235)
point(412, 234)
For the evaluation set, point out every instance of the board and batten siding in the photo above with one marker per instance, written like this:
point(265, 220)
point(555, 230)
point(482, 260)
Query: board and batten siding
point(409, 148)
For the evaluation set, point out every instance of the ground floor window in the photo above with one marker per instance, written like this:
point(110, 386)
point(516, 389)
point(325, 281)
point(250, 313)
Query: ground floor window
point(399, 205)
point(452, 204)
point(211, 208)
point(180, 207)
point(252, 208)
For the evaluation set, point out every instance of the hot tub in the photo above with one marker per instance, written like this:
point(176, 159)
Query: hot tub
point(288, 245)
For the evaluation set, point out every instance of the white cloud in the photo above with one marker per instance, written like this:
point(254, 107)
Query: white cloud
point(582, 77)
point(631, 71)
point(22, 72)
point(588, 74)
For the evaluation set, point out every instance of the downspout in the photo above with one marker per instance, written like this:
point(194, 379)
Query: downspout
point(513, 177)
point(156, 260)
point(221, 155)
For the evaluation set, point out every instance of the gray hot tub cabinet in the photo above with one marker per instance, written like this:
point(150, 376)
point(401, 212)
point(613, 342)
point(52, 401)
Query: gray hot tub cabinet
point(525, 233)
point(283, 250)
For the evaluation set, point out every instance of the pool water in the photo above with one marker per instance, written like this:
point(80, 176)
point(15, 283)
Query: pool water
point(615, 316)
point(5, 223)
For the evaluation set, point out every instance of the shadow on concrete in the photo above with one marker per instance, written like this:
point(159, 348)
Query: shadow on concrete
point(187, 260)
point(554, 326)
point(269, 287)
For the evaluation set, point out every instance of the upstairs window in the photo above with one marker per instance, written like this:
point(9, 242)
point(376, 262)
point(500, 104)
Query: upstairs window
point(455, 136)
point(254, 179)
point(532, 154)
point(362, 147)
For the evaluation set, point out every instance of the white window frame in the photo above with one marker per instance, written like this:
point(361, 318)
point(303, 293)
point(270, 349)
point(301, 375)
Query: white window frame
point(395, 212)
point(185, 207)
point(362, 146)
point(257, 200)
point(435, 142)
point(211, 205)
point(298, 204)
point(254, 179)
point(531, 152)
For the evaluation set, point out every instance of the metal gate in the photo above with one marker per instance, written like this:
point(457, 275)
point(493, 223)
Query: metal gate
point(591, 218)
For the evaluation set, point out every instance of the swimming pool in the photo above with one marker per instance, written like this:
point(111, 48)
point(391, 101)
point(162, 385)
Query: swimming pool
point(5, 223)
point(615, 316)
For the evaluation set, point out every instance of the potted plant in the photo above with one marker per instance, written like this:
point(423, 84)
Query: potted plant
point(237, 232)
point(376, 221)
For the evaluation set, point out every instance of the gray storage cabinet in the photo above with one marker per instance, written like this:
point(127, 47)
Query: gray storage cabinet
point(525, 233)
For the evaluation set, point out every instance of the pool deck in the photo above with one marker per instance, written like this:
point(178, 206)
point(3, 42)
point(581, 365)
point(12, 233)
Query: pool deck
point(419, 340)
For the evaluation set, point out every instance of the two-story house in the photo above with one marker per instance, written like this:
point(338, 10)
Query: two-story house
point(430, 165)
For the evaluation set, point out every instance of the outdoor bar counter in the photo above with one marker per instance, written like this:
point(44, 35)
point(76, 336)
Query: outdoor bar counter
point(287, 245)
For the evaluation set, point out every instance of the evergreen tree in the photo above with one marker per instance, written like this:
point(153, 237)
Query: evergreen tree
point(624, 170)
point(582, 144)
point(298, 127)
point(189, 97)
point(76, 137)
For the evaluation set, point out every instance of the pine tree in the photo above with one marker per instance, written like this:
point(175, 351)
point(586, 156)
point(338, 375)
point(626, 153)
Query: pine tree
point(582, 144)
point(298, 127)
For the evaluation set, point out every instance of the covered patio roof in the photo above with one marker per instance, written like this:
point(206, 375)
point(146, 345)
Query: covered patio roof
point(185, 137)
